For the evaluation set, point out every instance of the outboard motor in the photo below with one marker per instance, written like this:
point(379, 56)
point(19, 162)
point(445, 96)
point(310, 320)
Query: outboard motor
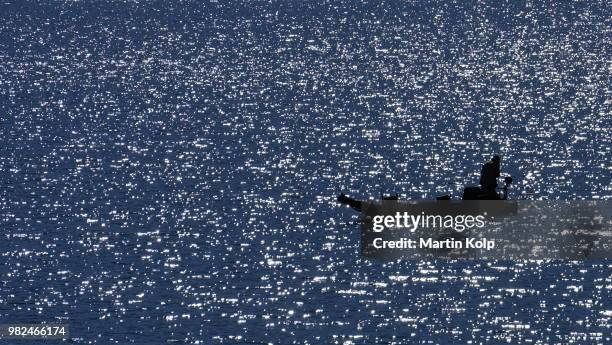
point(508, 182)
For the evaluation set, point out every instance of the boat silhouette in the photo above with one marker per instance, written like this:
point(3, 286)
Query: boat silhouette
point(474, 201)
point(469, 193)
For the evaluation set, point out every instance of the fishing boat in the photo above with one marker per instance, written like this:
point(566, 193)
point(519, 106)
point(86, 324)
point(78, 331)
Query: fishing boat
point(474, 202)
point(469, 193)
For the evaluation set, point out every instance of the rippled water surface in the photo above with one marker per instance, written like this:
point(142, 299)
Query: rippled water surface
point(168, 171)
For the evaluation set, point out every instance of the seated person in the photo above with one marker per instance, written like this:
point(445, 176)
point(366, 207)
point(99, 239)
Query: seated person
point(489, 174)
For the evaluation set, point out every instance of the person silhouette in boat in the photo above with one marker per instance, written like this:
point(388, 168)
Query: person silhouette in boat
point(487, 191)
point(489, 174)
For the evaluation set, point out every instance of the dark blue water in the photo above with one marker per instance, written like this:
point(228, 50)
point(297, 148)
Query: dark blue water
point(168, 171)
